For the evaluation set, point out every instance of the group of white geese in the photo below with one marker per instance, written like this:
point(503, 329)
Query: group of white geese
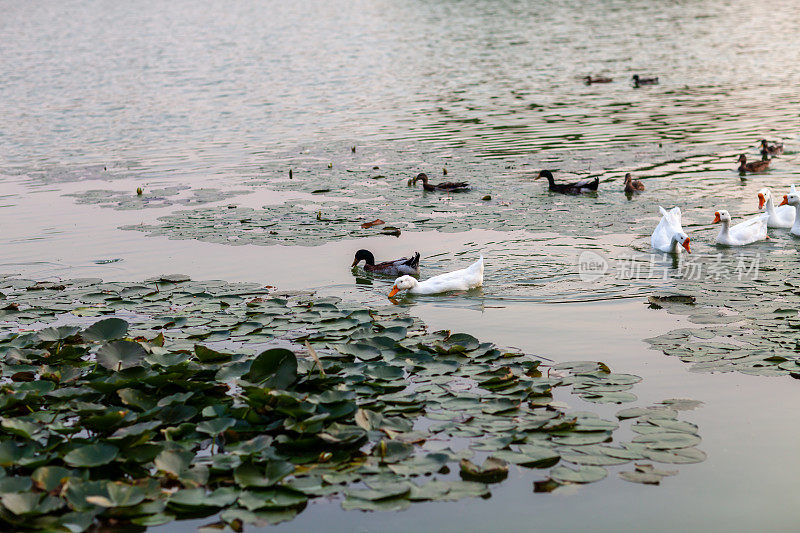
point(668, 236)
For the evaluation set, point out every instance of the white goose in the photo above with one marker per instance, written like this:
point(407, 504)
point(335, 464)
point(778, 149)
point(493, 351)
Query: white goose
point(749, 231)
point(780, 217)
point(793, 200)
point(669, 233)
point(460, 280)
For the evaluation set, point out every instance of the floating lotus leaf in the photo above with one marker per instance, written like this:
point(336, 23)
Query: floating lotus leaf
point(105, 330)
point(253, 475)
point(272, 430)
point(91, 455)
point(275, 368)
point(493, 470)
point(118, 355)
point(667, 440)
point(583, 474)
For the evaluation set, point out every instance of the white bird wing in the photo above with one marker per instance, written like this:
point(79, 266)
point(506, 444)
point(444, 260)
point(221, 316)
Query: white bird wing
point(669, 225)
point(751, 230)
point(464, 279)
point(582, 183)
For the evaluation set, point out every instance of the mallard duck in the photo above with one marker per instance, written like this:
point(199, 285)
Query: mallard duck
point(597, 79)
point(793, 200)
point(446, 186)
point(770, 149)
point(779, 217)
point(576, 187)
point(637, 81)
point(755, 166)
point(632, 185)
point(398, 267)
point(460, 280)
point(669, 232)
point(747, 232)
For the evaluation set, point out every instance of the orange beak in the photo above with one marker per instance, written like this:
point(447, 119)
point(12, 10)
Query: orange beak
point(394, 291)
point(785, 200)
point(761, 201)
point(686, 245)
point(354, 264)
point(716, 218)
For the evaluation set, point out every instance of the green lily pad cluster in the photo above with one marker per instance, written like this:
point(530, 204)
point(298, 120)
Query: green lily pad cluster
point(352, 197)
point(151, 198)
point(142, 403)
point(746, 326)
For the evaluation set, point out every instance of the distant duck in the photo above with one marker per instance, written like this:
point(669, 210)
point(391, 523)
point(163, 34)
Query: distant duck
point(597, 79)
point(445, 187)
point(779, 217)
point(575, 187)
point(747, 232)
point(460, 280)
point(770, 149)
point(632, 185)
point(638, 81)
point(755, 166)
point(398, 267)
point(669, 233)
point(793, 200)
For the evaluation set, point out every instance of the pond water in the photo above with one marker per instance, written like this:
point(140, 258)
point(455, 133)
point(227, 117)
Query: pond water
point(207, 105)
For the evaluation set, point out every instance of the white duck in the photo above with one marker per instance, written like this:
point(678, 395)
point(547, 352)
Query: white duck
point(780, 217)
point(460, 280)
point(749, 231)
point(793, 200)
point(669, 233)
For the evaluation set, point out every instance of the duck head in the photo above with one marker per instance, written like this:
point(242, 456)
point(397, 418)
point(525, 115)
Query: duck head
point(545, 174)
point(635, 78)
point(721, 216)
point(363, 255)
point(421, 176)
point(791, 199)
point(764, 143)
point(683, 240)
point(403, 283)
point(743, 159)
point(763, 196)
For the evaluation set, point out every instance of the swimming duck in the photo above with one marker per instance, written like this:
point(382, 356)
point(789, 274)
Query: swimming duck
point(576, 187)
point(632, 185)
point(637, 81)
point(770, 149)
point(597, 79)
point(460, 280)
point(780, 217)
point(398, 267)
point(793, 200)
point(669, 232)
point(446, 186)
point(755, 166)
point(749, 231)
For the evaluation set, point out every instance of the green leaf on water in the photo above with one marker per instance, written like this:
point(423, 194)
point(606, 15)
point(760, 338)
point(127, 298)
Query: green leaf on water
point(118, 355)
point(91, 455)
point(275, 368)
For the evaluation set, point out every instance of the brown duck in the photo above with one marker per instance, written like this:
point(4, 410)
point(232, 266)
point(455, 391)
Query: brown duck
point(638, 81)
point(632, 185)
point(770, 149)
point(755, 166)
point(395, 268)
point(597, 79)
point(447, 186)
point(575, 187)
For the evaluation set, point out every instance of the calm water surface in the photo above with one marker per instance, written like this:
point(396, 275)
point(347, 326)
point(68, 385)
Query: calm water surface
point(107, 95)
